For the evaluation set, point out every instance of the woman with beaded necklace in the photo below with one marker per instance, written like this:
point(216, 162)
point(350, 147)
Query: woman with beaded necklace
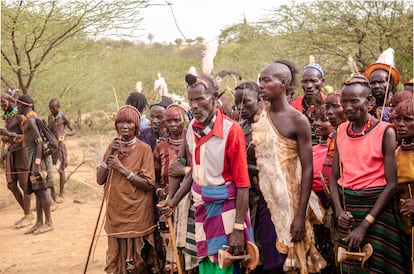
point(17, 165)
point(165, 152)
point(127, 172)
point(403, 120)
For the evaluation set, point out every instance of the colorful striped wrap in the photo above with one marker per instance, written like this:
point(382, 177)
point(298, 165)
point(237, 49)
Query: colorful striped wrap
point(391, 254)
point(214, 218)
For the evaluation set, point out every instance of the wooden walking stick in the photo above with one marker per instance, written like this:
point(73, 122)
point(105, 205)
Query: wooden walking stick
point(174, 244)
point(106, 194)
point(412, 235)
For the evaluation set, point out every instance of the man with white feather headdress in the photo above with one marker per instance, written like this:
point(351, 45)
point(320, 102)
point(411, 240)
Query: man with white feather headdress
point(383, 78)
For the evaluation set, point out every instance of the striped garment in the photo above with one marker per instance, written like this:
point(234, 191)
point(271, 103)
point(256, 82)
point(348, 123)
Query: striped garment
point(391, 254)
point(214, 218)
point(185, 231)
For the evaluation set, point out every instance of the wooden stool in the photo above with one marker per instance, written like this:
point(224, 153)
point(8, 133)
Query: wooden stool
point(249, 260)
point(363, 256)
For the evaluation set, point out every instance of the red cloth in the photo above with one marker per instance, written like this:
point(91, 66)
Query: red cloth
point(319, 155)
point(225, 140)
point(362, 159)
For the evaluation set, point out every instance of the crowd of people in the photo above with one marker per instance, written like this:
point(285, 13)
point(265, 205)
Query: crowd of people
point(310, 181)
point(33, 147)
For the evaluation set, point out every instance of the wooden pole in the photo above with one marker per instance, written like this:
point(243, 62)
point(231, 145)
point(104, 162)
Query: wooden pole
point(106, 194)
point(174, 245)
point(412, 235)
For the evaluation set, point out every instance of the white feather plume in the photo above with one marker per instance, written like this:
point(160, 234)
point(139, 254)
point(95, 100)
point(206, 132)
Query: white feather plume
point(138, 86)
point(192, 70)
point(311, 59)
point(387, 57)
point(160, 85)
point(208, 57)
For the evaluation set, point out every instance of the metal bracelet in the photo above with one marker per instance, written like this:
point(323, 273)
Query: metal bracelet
point(130, 176)
point(104, 165)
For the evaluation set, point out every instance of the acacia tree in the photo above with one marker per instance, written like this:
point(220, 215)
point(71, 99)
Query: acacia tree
point(34, 32)
point(333, 30)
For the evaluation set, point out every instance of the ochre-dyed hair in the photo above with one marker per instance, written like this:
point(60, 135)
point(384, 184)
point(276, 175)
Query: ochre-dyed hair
point(128, 114)
point(182, 112)
point(404, 108)
point(401, 96)
point(321, 113)
point(333, 98)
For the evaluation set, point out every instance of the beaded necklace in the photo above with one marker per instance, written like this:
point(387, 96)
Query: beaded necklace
point(129, 143)
point(173, 142)
point(406, 145)
point(9, 114)
point(26, 118)
point(55, 118)
point(363, 131)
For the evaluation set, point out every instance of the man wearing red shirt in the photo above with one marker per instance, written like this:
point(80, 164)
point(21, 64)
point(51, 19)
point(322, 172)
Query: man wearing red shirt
point(220, 181)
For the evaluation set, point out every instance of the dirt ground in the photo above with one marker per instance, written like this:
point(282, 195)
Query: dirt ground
point(65, 249)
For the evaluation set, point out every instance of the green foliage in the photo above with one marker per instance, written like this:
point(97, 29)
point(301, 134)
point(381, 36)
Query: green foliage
point(333, 30)
point(33, 33)
point(88, 83)
point(85, 74)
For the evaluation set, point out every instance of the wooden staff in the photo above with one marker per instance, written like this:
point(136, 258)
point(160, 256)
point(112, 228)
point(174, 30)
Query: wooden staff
point(173, 242)
point(412, 234)
point(106, 194)
point(116, 98)
point(174, 245)
point(386, 93)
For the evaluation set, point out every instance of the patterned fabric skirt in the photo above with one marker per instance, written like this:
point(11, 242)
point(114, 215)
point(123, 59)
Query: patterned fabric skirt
point(60, 157)
point(391, 253)
point(45, 166)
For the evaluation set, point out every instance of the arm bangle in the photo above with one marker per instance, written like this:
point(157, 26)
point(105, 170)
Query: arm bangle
point(370, 219)
point(186, 170)
point(104, 165)
point(238, 226)
point(130, 176)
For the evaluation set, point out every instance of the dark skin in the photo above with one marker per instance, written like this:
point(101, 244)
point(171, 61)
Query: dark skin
point(335, 112)
point(379, 83)
point(355, 102)
point(202, 104)
point(404, 124)
point(31, 133)
point(247, 103)
point(274, 81)
point(312, 82)
point(126, 132)
point(175, 126)
point(323, 127)
point(13, 135)
point(58, 129)
point(157, 115)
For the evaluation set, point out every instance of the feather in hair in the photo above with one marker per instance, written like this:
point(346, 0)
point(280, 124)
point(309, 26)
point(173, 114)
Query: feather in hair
point(192, 70)
point(138, 86)
point(352, 65)
point(208, 58)
point(387, 57)
point(311, 59)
